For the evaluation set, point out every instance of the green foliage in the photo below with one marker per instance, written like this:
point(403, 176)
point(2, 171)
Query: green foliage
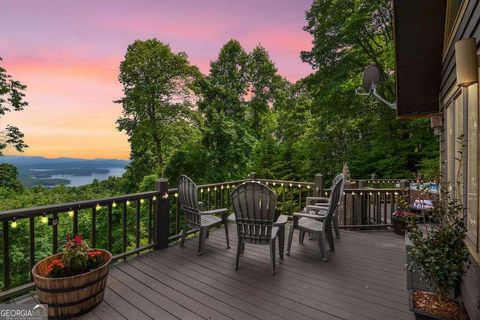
point(12, 95)
point(75, 254)
point(9, 178)
point(438, 251)
point(157, 102)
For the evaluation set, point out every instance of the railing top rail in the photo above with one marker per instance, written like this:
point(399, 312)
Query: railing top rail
point(210, 185)
point(286, 182)
point(85, 204)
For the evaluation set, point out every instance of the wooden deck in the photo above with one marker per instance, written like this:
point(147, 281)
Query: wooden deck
point(363, 279)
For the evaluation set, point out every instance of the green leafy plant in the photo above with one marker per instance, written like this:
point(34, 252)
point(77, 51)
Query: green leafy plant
point(439, 252)
point(75, 254)
point(77, 258)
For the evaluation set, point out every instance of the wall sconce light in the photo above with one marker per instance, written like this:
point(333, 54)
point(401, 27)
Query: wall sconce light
point(436, 122)
point(466, 62)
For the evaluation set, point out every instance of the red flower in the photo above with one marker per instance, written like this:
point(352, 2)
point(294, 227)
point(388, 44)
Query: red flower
point(78, 239)
point(55, 267)
point(94, 254)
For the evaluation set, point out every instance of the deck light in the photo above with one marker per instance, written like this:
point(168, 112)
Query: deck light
point(299, 186)
point(70, 213)
point(154, 198)
point(274, 183)
point(290, 184)
point(165, 196)
point(114, 204)
point(466, 63)
point(308, 187)
point(14, 224)
point(98, 207)
point(282, 184)
point(128, 202)
point(44, 219)
point(142, 200)
point(201, 190)
point(176, 195)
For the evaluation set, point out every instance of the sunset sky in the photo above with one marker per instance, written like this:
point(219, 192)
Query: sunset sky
point(68, 54)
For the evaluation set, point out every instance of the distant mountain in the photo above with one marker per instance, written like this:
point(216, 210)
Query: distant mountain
point(55, 171)
point(45, 163)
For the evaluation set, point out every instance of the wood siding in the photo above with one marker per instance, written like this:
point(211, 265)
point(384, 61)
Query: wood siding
point(468, 27)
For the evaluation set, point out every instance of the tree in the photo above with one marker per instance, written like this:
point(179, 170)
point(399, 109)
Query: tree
point(157, 103)
point(347, 36)
point(265, 85)
point(12, 95)
point(225, 135)
point(9, 178)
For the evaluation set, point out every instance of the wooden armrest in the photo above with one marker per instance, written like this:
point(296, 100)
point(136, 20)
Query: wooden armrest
point(318, 199)
point(281, 221)
point(307, 215)
point(316, 208)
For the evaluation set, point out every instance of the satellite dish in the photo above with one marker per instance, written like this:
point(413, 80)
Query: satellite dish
point(371, 77)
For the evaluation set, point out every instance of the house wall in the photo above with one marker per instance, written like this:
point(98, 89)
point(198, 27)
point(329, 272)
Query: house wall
point(467, 26)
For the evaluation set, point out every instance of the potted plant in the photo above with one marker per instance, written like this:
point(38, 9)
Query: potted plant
point(438, 254)
point(400, 219)
point(72, 282)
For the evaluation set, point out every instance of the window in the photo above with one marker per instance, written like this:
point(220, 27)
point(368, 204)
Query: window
point(460, 158)
point(462, 116)
point(472, 165)
point(450, 145)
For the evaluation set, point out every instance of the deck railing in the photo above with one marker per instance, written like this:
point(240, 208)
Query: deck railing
point(130, 224)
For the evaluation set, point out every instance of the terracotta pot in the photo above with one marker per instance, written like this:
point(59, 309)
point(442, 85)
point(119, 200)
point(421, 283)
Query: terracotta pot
point(70, 297)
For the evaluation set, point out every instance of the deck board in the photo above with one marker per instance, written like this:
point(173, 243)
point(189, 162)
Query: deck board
point(363, 279)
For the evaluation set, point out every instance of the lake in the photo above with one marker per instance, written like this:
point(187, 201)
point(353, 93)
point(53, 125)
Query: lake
point(76, 181)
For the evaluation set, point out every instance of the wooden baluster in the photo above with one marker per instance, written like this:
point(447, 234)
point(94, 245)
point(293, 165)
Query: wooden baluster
point(137, 225)
point(6, 256)
point(94, 227)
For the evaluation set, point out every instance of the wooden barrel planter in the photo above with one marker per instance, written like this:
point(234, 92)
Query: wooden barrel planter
point(70, 297)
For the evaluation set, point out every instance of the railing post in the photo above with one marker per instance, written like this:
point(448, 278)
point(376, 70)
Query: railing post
point(405, 185)
point(162, 215)
point(252, 176)
point(318, 184)
point(362, 184)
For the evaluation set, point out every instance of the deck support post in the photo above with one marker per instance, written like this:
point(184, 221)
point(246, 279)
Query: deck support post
point(405, 185)
point(162, 215)
point(318, 192)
